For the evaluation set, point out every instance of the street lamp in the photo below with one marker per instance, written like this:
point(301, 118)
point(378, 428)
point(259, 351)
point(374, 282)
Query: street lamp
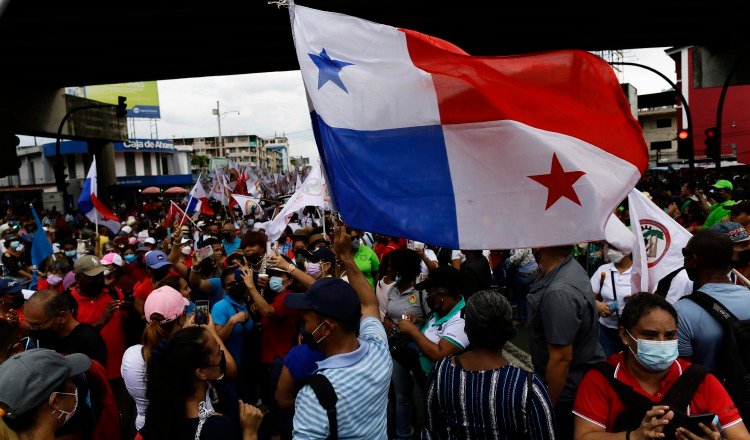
point(217, 111)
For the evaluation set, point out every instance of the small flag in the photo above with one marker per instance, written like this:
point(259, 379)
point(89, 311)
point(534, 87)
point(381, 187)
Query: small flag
point(41, 248)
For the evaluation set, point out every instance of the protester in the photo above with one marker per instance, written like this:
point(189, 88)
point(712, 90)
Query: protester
point(478, 394)
point(158, 267)
point(719, 210)
point(229, 238)
point(520, 272)
point(631, 393)
point(165, 315)
point(37, 396)
point(357, 366)
point(11, 302)
point(611, 286)
point(563, 329)
point(178, 377)
point(14, 260)
point(708, 257)
point(367, 262)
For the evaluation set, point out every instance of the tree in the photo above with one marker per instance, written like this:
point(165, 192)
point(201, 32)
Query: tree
point(199, 161)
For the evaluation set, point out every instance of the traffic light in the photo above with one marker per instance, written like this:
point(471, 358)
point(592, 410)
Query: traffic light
point(60, 177)
point(122, 107)
point(10, 164)
point(713, 149)
point(684, 145)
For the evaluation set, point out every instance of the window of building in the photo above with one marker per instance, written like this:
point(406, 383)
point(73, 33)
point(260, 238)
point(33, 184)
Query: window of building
point(71, 171)
point(164, 164)
point(663, 123)
point(129, 164)
point(147, 164)
point(661, 145)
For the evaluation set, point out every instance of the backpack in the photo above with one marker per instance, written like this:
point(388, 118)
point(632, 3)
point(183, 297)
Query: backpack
point(733, 363)
point(677, 398)
point(327, 397)
point(662, 288)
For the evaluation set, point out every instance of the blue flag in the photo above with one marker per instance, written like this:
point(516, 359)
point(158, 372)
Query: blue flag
point(41, 248)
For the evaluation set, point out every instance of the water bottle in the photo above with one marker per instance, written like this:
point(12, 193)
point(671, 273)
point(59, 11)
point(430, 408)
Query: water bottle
point(613, 306)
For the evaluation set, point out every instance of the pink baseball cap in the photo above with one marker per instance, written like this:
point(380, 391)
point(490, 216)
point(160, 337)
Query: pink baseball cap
point(112, 258)
point(69, 279)
point(166, 302)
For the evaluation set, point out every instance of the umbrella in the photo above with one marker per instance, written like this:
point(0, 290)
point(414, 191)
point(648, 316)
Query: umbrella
point(151, 190)
point(175, 190)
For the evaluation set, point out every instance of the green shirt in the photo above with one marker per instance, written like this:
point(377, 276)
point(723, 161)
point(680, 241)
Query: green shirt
point(367, 262)
point(717, 212)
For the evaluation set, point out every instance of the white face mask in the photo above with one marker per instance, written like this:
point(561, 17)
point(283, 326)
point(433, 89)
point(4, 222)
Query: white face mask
point(186, 250)
point(19, 248)
point(615, 256)
point(68, 414)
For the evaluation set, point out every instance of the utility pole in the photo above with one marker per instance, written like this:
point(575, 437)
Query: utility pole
point(217, 112)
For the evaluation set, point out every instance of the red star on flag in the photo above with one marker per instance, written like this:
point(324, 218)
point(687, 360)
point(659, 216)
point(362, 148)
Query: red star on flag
point(559, 183)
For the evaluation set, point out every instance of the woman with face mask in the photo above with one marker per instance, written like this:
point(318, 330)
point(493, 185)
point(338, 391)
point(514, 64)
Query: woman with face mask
point(611, 286)
point(178, 376)
point(14, 262)
point(37, 395)
point(165, 314)
point(634, 393)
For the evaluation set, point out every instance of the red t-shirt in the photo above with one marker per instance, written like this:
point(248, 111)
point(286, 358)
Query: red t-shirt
point(599, 404)
point(280, 330)
point(143, 288)
point(113, 333)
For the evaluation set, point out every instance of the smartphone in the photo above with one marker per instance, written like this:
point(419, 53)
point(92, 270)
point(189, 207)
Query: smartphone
point(201, 312)
point(202, 253)
point(691, 423)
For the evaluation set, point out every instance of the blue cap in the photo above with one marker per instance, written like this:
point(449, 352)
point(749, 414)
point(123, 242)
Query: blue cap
point(156, 259)
point(330, 297)
point(9, 286)
point(735, 231)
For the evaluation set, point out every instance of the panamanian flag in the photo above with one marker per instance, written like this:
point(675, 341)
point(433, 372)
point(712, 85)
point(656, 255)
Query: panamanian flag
point(197, 200)
point(93, 208)
point(423, 141)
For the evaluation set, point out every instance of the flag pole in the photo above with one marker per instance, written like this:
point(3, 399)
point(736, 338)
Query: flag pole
point(184, 214)
point(741, 277)
point(96, 228)
point(191, 198)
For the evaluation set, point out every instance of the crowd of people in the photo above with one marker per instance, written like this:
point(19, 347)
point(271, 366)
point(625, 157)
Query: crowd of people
point(204, 328)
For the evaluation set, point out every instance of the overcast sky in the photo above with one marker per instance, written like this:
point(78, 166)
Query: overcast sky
point(274, 103)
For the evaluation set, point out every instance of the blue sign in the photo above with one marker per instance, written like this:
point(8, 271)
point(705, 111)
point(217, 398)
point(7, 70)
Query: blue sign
point(144, 111)
point(66, 147)
point(170, 180)
point(149, 145)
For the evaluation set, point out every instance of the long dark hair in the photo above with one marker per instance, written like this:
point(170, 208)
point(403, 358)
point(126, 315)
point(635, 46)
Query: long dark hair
point(171, 380)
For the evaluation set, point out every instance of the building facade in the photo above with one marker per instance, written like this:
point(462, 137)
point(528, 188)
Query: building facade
point(247, 150)
point(657, 115)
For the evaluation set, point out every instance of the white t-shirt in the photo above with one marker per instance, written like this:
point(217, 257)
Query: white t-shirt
point(424, 271)
point(133, 370)
point(622, 284)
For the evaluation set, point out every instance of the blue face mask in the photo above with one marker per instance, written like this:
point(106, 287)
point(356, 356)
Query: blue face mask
point(655, 355)
point(130, 258)
point(397, 279)
point(70, 253)
point(276, 284)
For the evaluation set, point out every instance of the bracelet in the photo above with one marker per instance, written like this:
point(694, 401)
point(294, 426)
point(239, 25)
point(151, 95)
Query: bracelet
point(627, 434)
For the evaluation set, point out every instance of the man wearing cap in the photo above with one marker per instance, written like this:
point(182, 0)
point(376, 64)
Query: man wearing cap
point(36, 385)
point(740, 213)
point(116, 275)
point(720, 209)
point(52, 325)
point(102, 307)
point(708, 257)
point(740, 242)
point(357, 367)
point(11, 301)
point(158, 267)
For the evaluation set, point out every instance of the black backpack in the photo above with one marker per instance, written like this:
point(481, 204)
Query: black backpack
point(677, 398)
point(662, 288)
point(733, 363)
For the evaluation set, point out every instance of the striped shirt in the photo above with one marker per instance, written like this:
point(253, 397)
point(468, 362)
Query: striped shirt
point(485, 404)
point(360, 379)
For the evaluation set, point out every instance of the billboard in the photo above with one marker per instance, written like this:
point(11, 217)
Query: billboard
point(143, 97)
point(146, 145)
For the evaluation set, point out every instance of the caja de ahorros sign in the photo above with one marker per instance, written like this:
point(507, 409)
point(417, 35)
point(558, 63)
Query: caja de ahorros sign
point(145, 145)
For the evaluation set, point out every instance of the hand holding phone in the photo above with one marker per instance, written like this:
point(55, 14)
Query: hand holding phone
point(691, 423)
point(201, 312)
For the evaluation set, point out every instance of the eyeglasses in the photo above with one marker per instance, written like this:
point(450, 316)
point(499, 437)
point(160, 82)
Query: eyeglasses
point(39, 326)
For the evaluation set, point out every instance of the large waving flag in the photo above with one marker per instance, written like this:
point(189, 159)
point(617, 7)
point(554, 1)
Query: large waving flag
point(41, 248)
point(197, 200)
point(481, 152)
point(659, 243)
point(92, 207)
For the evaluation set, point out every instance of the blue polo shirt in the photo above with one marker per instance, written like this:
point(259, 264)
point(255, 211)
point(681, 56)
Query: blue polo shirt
point(221, 312)
point(360, 379)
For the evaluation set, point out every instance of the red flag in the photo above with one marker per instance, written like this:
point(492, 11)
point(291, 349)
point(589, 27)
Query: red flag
point(240, 189)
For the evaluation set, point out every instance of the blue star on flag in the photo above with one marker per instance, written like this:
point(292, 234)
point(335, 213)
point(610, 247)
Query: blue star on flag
point(328, 69)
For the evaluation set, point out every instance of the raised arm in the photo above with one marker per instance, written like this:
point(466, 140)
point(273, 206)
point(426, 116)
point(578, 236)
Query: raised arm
point(343, 247)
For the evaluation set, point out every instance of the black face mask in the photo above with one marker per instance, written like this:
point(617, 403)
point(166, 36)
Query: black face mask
point(46, 334)
point(309, 339)
point(253, 258)
point(236, 291)
point(742, 261)
point(227, 236)
point(17, 302)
